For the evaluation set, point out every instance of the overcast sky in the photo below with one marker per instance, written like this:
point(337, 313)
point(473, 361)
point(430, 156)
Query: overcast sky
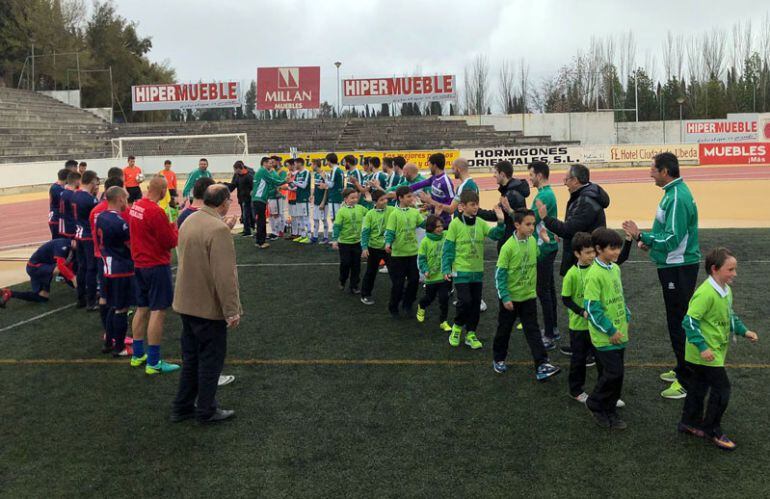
point(229, 39)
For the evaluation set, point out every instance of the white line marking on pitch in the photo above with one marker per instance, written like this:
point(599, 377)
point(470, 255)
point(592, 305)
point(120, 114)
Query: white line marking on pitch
point(32, 319)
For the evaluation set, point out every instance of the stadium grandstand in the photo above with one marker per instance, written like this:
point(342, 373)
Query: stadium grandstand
point(35, 127)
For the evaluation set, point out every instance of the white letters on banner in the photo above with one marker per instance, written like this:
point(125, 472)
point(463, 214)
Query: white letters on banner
point(522, 155)
point(735, 128)
point(185, 96)
point(402, 89)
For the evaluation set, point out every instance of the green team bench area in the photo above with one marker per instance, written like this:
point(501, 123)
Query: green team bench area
point(334, 398)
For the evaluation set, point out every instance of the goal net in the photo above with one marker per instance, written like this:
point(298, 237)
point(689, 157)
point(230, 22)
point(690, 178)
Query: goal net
point(230, 144)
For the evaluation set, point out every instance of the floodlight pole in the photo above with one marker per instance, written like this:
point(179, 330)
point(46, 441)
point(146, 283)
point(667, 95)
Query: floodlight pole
point(338, 64)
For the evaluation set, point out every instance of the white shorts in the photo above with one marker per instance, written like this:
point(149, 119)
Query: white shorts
point(318, 213)
point(276, 208)
point(292, 210)
point(333, 209)
point(301, 209)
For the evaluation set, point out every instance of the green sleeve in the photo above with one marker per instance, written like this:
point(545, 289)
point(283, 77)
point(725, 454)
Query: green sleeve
point(422, 260)
point(694, 335)
point(338, 223)
point(736, 325)
point(501, 283)
point(390, 230)
point(568, 284)
point(275, 178)
point(189, 183)
point(674, 231)
point(365, 238)
point(447, 256)
point(497, 232)
point(597, 318)
point(419, 220)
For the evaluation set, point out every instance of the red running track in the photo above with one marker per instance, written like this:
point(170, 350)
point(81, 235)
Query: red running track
point(24, 223)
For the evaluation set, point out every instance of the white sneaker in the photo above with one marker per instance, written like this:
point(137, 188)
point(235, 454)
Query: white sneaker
point(383, 270)
point(483, 306)
point(620, 404)
point(225, 379)
point(581, 398)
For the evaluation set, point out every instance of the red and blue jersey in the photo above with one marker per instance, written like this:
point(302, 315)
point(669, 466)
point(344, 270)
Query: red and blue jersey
point(50, 251)
point(112, 237)
point(82, 204)
point(54, 195)
point(67, 225)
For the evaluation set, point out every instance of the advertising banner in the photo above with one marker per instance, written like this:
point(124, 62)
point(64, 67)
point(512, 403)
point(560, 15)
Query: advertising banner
point(185, 96)
point(625, 153)
point(744, 153)
point(401, 89)
point(523, 155)
point(735, 128)
point(289, 88)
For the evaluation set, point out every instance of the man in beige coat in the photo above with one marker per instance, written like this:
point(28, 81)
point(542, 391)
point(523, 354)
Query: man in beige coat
point(207, 299)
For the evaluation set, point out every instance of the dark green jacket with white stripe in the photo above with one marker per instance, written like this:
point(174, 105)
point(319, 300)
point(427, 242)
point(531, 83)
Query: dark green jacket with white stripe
point(673, 240)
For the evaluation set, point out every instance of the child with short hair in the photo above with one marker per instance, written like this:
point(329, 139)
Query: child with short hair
point(429, 263)
point(320, 196)
point(608, 318)
point(709, 321)
point(572, 289)
point(373, 242)
point(347, 239)
point(462, 261)
point(516, 281)
point(401, 245)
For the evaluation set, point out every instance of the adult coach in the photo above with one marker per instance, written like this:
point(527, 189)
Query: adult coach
point(442, 189)
point(132, 179)
point(585, 212)
point(153, 237)
point(243, 182)
point(201, 171)
point(208, 302)
point(673, 246)
point(513, 196)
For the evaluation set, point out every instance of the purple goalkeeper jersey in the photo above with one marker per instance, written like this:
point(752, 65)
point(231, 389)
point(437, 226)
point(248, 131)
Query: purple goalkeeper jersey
point(442, 190)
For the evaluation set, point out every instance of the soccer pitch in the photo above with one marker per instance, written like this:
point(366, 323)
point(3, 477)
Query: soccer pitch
point(334, 398)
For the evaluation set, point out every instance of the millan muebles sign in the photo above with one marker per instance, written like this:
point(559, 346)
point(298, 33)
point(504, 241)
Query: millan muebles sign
point(289, 88)
point(396, 90)
point(185, 96)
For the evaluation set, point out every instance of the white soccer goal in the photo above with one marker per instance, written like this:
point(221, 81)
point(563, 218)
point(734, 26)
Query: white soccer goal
point(231, 144)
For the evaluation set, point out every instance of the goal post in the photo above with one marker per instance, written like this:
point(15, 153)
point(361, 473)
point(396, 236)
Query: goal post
point(231, 144)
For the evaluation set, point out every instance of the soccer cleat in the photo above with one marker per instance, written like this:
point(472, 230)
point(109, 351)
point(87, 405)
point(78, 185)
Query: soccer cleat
point(262, 246)
point(161, 367)
point(548, 344)
point(325, 241)
point(519, 327)
point(355, 291)
point(5, 295)
point(313, 240)
point(601, 419)
point(367, 300)
point(123, 353)
point(225, 379)
point(546, 370)
point(674, 392)
point(304, 240)
point(615, 422)
point(472, 341)
point(499, 367)
point(723, 442)
point(444, 326)
point(383, 270)
point(690, 430)
point(454, 336)
point(580, 398)
point(620, 404)
point(668, 376)
point(420, 314)
point(296, 239)
point(483, 306)
point(138, 361)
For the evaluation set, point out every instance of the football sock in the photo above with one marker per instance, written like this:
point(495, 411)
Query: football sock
point(138, 346)
point(153, 355)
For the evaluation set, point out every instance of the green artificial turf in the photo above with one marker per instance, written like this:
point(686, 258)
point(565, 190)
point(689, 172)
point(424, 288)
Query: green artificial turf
point(365, 429)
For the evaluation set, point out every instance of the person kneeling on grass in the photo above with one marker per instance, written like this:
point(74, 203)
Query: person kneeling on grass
point(347, 239)
point(608, 319)
point(429, 263)
point(709, 321)
point(516, 279)
point(51, 259)
point(463, 262)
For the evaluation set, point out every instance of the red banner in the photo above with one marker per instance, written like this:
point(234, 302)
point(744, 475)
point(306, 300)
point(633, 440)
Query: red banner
point(741, 153)
point(289, 88)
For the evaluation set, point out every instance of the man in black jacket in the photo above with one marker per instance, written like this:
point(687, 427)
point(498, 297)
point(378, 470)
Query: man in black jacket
point(243, 181)
point(513, 195)
point(585, 212)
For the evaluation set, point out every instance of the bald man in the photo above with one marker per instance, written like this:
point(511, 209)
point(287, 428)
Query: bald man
point(153, 237)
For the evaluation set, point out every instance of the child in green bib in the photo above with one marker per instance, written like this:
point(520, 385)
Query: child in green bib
point(709, 321)
point(346, 238)
point(429, 263)
point(608, 319)
point(462, 261)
